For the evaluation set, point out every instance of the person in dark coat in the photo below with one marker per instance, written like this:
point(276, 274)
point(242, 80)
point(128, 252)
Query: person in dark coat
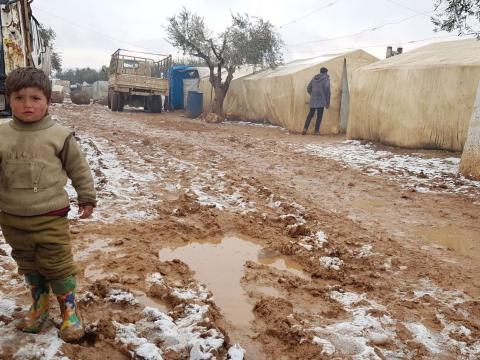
point(319, 90)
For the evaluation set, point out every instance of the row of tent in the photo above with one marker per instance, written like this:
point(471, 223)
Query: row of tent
point(420, 99)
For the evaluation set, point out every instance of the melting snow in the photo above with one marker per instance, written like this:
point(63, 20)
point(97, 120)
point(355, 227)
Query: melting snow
point(331, 262)
point(327, 346)
point(127, 334)
point(121, 297)
point(415, 170)
point(365, 251)
point(352, 337)
point(45, 346)
point(236, 352)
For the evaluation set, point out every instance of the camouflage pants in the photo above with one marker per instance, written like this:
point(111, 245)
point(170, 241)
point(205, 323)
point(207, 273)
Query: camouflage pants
point(40, 244)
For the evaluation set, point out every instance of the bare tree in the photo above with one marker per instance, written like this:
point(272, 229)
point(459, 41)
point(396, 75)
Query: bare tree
point(48, 36)
point(457, 15)
point(248, 40)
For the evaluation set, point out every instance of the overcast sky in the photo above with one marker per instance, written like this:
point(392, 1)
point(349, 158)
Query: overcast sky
point(88, 31)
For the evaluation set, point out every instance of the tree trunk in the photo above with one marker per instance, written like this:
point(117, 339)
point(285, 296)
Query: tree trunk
point(218, 101)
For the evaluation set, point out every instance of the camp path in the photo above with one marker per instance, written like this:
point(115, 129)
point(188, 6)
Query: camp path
point(211, 240)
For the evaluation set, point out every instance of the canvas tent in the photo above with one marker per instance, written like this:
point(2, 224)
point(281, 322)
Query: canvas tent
point(421, 99)
point(470, 164)
point(279, 95)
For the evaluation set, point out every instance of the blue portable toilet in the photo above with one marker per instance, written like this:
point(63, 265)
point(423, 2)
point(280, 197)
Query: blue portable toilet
point(176, 76)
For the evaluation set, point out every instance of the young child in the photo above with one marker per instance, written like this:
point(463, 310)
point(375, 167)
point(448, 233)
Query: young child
point(36, 157)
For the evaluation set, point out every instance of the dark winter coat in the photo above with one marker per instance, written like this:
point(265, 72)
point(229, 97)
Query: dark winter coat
point(319, 90)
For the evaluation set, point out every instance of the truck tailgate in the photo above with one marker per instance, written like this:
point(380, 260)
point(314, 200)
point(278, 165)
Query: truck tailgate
point(139, 82)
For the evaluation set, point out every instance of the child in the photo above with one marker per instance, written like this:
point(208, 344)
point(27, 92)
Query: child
point(36, 157)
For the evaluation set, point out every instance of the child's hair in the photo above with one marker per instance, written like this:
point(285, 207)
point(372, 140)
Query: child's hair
point(24, 77)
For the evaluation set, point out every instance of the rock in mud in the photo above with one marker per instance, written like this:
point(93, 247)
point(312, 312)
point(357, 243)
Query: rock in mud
point(296, 230)
point(80, 97)
point(213, 118)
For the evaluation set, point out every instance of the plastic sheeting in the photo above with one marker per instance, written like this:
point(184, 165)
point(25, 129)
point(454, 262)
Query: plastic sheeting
point(470, 164)
point(189, 85)
point(100, 91)
point(421, 99)
point(279, 96)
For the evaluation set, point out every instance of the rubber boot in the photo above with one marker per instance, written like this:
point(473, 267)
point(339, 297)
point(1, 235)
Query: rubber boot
point(38, 313)
point(72, 327)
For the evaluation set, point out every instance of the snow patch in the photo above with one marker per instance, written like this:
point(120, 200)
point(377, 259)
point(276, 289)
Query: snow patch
point(327, 346)
point(184, 333)
point(7, 307)
point(415, 171)
point(365, 251)
point(121, 297)
point(127, 334)
point(236, 352)
point(331, 262)
point(45, 346)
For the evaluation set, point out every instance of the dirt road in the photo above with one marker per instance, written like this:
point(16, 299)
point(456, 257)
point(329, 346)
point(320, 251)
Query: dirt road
point(211, 240)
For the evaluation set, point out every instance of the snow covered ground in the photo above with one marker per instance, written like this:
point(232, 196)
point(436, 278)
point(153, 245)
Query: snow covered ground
point(415, 171)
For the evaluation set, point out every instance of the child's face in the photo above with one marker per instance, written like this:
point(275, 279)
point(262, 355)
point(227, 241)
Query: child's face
point(28, 104)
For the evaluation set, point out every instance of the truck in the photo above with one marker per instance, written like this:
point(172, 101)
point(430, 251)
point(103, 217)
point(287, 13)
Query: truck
point(21, 43)
point(138, 79)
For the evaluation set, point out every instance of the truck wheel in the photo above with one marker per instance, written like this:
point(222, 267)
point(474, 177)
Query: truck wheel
point(146, 103)
point(114, 101)
point(156, 104)
point(120, 102)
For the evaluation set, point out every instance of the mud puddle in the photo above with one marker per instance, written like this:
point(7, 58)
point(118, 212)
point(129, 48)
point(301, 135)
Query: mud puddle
point(91, 247)
point(461, 240)
point(147, 301)
point(220, 266)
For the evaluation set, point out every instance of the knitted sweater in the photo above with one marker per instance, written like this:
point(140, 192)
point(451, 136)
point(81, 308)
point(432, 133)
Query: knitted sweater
point(35, 161)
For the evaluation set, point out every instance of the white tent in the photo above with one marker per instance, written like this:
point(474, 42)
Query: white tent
point(421, 99)
point(470, 165)
point(279, 95)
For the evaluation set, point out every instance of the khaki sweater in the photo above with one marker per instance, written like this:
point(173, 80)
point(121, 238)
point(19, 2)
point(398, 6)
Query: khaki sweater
point(35, 161)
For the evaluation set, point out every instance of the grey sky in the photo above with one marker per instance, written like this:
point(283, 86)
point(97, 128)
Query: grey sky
point(88, 31)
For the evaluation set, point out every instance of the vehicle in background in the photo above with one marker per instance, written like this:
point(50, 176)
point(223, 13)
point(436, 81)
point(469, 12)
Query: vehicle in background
point(138, 79)
point(21, 43)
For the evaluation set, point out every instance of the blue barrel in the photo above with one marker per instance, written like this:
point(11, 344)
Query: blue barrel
point(194, 104)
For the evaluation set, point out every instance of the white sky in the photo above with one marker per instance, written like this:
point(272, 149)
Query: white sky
point(88, 31)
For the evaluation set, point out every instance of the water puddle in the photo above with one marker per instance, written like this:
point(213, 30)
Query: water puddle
point(220, 266)
point(275, 259)
point(95, 245)
point(145, 300)
point(269, 291)
point(465, 242)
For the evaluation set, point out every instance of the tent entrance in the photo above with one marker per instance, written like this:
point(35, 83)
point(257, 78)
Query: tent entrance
point(344, 100)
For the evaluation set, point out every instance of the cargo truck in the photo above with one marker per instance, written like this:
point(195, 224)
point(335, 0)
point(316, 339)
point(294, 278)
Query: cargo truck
point(21, 43)
point(138, 79)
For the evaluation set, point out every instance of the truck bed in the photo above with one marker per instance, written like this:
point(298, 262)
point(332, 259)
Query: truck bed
point(124, 82)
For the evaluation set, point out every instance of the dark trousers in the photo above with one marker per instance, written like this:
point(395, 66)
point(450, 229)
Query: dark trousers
point(40, 244)
point(309, 118)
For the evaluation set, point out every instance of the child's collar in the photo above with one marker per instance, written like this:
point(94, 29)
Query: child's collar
point(42, 124)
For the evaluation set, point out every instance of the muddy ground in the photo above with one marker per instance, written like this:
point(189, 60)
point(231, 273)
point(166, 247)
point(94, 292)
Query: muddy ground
point(214, 240)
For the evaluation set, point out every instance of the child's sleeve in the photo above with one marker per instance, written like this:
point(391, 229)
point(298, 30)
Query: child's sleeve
point(77, 169)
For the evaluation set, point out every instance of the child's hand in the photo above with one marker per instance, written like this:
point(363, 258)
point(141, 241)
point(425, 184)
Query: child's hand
point(85, 210)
